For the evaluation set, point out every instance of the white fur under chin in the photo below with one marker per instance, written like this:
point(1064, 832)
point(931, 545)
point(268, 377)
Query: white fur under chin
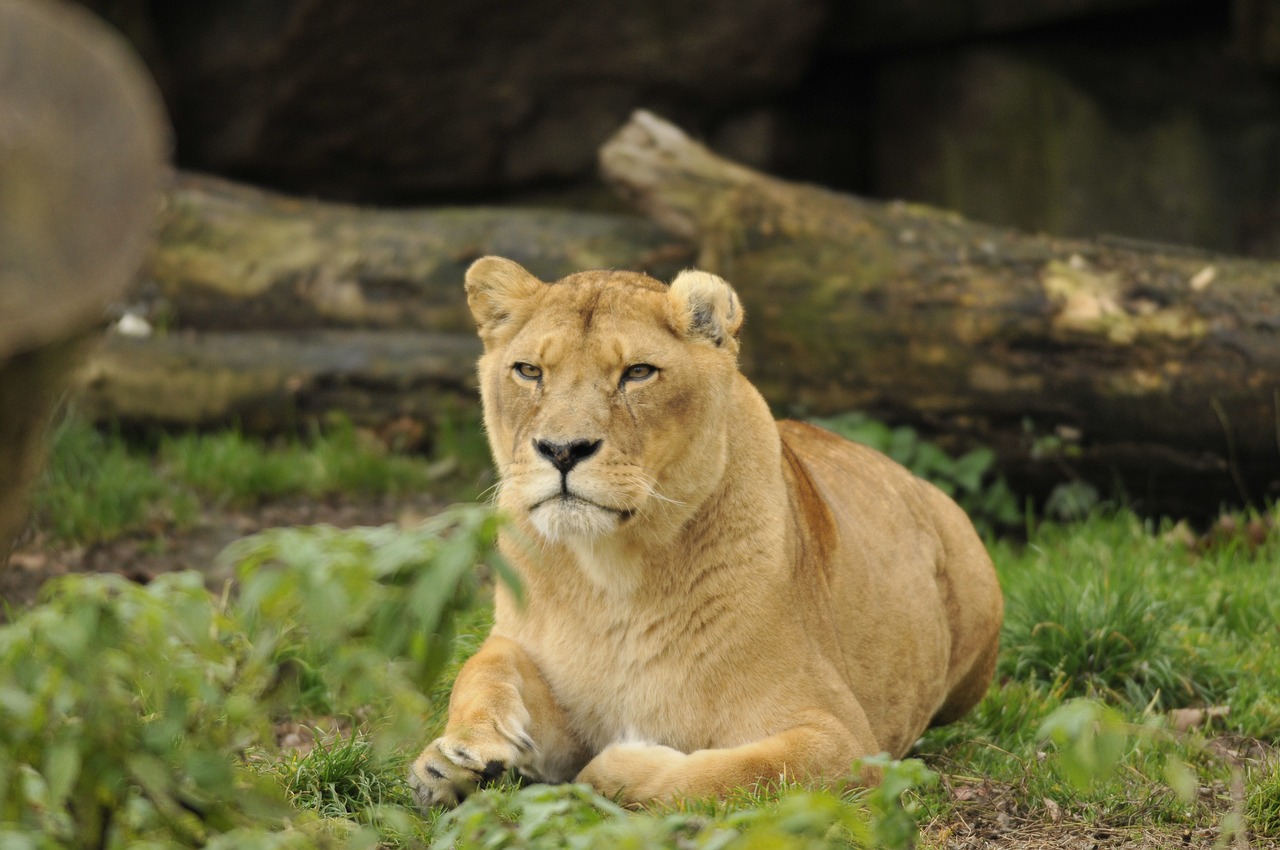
point(588, 532)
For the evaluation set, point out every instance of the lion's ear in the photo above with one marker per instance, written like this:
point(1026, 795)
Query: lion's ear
point(500, 294)
point(705, 306)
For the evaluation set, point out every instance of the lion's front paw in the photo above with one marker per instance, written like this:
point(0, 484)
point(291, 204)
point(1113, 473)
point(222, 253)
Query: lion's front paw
point(634, 773)
point(451, 767)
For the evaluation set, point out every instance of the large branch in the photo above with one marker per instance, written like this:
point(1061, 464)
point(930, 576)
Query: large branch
point(1085, 357)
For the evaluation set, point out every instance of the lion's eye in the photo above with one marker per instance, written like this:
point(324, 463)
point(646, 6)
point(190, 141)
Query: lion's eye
point(528, 371)
point(639, 372)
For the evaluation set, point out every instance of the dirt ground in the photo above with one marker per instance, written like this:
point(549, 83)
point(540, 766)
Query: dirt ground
point(142, 556)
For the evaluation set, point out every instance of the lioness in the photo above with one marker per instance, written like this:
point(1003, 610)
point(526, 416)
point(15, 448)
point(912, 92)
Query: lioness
point(712, 599)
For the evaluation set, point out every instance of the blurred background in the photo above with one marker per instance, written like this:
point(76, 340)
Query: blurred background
point(1132, 355)
point(1147, 119)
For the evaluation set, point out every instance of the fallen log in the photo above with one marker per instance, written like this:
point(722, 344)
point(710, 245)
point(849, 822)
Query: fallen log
point(281, 381)
point(231, 257)
point(272, 312)
point(82, 145)
point(1155, 368)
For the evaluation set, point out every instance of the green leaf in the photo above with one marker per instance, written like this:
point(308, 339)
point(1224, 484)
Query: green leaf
point(902, 445)
point(211, 772)
point(1181, 778)
point(506, 574)
point(1091, 739)
point(970, 468)
point(62, 768)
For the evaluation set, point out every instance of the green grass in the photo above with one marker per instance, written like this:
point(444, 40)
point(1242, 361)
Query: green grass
point(1262, 806)
point(97, 486)
point(229, 469)
point(1099, 611)
point(343, 778)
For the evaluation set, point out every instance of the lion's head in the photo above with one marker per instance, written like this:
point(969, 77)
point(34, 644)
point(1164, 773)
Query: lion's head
point(605, 396)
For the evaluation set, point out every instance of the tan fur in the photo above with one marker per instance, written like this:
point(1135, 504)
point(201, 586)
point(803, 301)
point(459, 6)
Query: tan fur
point(721, 599)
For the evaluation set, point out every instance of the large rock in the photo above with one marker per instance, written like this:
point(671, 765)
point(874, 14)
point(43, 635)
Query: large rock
point(1173, 142)
point(861, 25)
point(1148, 118)
point(406, 99)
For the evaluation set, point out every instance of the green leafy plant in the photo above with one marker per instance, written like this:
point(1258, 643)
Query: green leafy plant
point(362, 596)
point(125, 710)
point(1090, 737)
point(968, 479)
point(786, 817)
point(893, 815)
point(120, 706)
point(573, 816)
point(542, 815)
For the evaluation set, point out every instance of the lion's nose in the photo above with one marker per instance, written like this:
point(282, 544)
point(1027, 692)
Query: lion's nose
point(565, 456)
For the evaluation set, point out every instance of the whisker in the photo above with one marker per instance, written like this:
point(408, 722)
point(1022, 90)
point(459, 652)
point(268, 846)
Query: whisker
point(647, 478)
point(490, 493)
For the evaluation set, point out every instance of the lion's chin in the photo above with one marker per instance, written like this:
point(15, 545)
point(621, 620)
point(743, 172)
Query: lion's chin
point(568, 518)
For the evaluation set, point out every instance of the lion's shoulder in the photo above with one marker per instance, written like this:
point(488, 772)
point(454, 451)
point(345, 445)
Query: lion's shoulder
point(862, 488)
point(827, 455)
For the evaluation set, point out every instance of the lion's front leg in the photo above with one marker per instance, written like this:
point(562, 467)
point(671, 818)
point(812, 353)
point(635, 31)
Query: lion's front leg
point(819, 750)
point(501, 716)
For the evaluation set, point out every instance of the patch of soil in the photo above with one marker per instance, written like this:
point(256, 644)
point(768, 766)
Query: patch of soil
point(995, 815)
point(1044, 834)
point(142, 556)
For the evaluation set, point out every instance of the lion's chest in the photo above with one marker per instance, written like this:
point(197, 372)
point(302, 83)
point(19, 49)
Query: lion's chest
point(645, 673)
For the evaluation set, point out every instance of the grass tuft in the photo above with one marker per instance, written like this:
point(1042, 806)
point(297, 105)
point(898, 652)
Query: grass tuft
point(1262, 805)
point(1093, 616)
point(343, 779)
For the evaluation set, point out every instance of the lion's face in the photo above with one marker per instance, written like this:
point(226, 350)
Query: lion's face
point(605, 395)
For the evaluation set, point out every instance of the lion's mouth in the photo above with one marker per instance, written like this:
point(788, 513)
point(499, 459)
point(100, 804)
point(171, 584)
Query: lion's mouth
point(569, 499)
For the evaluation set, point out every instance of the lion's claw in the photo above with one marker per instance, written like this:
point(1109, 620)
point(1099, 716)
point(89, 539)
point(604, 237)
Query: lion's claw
point(448, 770)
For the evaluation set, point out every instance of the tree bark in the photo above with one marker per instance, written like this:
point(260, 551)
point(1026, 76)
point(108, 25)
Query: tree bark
point(231, 257)
point(1157, 368)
